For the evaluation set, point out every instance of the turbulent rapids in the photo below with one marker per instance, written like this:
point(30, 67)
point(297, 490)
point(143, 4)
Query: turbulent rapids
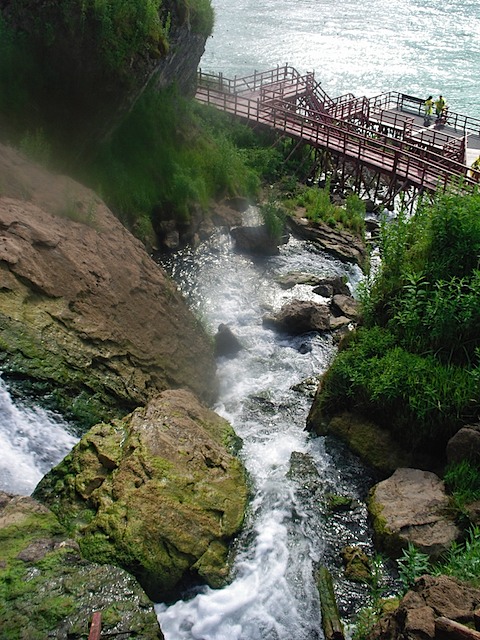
point(265, 392)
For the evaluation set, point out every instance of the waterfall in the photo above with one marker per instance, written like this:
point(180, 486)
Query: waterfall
point(32, 441)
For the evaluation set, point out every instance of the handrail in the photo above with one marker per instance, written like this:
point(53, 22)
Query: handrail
point(426, 167)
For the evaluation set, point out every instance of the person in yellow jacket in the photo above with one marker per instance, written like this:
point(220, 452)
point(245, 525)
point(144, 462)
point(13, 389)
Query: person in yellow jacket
point(428, 111)
point(440, 105)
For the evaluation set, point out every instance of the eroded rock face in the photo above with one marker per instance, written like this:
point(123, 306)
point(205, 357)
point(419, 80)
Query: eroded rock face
point(430, 598)
point(52, 591)
point(83, 308)
point(157, 493)
point(411, 507)
point(346, 246)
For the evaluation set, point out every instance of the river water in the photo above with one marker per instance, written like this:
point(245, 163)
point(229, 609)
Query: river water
point(32, 441)
point(265, 393)
point(364, 47)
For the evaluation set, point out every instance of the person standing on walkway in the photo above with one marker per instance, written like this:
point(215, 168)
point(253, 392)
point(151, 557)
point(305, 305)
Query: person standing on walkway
point(428, 111)
point(440, 105)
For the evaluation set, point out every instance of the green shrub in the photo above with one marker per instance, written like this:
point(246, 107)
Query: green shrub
point(411, 565)
point(422, 401)
point(201, 16)
point(273, 218)
point(427, 288)
point(319, 208)
point(462, 561)
point(462, 480)
point(164, 159)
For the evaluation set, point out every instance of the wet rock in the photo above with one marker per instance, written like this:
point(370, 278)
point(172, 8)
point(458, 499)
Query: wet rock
point(169, 508)
point(328, 287)
point(290, 280)
point(52, 591)
point(342, 244)
point(411, 507)
point(226, 343)
point(374, 445)
point(345, 306)
point(256, 241)
point(300, 316)
point(431, 598)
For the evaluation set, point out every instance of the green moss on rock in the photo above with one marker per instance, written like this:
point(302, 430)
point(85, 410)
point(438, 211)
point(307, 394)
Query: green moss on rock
point(48, 590)
point(157, 493)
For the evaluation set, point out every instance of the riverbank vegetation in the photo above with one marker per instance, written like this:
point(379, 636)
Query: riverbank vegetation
point(413, 365)
point(318, 206)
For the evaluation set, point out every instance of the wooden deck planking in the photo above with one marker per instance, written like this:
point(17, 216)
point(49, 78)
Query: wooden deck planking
point(427, 155)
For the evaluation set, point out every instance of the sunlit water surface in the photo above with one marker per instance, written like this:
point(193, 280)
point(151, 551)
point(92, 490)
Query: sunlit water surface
point(265, 393)
point(360, 47)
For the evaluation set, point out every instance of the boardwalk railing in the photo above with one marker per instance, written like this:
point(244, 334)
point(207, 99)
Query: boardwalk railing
point(362, 130)
point(416, 106)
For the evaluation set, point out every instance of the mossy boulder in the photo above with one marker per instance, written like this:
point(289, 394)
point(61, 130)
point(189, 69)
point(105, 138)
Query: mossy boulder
point(48, 590)
point(374, 445)
point(86, 316)
point(157, 493)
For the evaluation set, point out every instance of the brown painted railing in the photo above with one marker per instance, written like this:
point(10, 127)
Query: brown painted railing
point(416, 106)
point(425, 163)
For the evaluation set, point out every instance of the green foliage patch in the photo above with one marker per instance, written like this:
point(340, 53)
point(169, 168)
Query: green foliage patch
point(462, 561)
point(319, 207)
point(413, 366)
point(172, 156)
point(418, 398)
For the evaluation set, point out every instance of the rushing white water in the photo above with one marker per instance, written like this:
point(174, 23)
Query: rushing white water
point(361, 47)
point(32, 441)
point(272, 595)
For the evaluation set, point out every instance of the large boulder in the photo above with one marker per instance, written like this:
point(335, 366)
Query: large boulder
point(84, 311)
point(226, 342)
point(256, 241)
point(430, 599)
point(48, 589)
point(300, 316)
point(157, 493)
point(411, 507)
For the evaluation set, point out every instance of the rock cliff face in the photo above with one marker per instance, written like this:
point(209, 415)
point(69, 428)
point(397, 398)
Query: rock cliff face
point(156, 493)
point(96, 59)
point(83, 309)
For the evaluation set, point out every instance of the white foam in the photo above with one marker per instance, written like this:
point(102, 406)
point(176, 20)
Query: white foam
point(32, 441)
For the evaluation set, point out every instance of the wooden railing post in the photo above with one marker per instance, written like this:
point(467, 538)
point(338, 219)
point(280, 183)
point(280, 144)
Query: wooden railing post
point(95, 626)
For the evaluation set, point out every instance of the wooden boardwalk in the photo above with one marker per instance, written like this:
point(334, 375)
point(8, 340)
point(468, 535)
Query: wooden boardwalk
point(385, 133)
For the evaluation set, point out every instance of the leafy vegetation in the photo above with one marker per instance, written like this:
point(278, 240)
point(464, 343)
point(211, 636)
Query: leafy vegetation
point(273, 217)
point(463, 559)
point(413, 366)
point(462, 480)
point(74, 71)
point(172, 156)
point(411, 565)
point(319, 207)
